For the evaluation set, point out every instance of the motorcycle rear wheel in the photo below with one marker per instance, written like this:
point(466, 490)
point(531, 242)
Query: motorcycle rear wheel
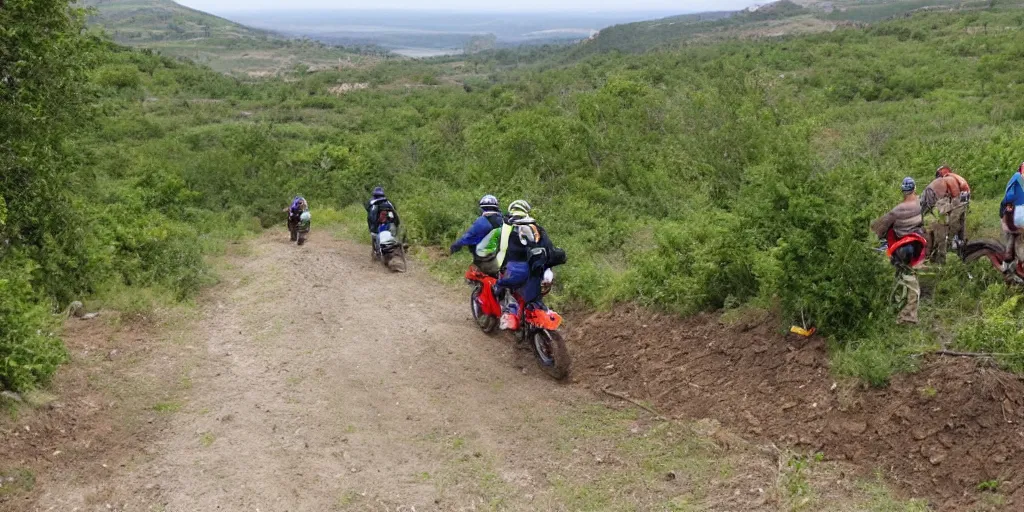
point(551, 353)
point(487, 323)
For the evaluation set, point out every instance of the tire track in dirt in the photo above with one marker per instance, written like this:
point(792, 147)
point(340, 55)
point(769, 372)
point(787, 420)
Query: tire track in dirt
point(328, 383)
point(331, 382)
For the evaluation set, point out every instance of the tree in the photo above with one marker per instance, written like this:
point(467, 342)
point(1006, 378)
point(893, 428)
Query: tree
point(44, 57)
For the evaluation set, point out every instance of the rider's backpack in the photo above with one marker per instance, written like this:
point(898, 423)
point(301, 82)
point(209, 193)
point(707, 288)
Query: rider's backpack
point(487, 249)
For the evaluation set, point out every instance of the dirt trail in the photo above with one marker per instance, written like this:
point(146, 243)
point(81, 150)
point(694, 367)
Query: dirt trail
point(329, 383)
point(332, 380)
point(319, 381)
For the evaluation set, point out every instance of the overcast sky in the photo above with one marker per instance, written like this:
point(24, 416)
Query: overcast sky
point(680, 6)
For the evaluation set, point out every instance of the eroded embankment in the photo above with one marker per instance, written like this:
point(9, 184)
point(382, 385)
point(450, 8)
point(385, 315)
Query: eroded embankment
point(940, 433)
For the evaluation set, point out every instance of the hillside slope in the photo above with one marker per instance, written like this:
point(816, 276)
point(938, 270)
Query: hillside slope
point(775, 19)
point(226, 46)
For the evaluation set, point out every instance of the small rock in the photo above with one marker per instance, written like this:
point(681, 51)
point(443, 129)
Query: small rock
point(76, 309)
point(937, 459)
point(90, 316)
point(11, 395)
point(112, 355)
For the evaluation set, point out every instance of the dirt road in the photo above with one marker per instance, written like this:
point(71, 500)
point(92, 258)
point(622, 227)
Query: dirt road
point(326, 382)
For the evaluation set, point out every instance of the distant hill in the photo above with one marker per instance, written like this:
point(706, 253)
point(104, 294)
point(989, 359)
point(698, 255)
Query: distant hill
point(226, 46)
point(772, 19)
point(645, 35)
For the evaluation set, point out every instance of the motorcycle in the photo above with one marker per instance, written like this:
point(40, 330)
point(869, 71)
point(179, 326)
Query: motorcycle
point(994, 251)
point(388, 249)
point(913, 249)
point(532, 323)
point(298, 226)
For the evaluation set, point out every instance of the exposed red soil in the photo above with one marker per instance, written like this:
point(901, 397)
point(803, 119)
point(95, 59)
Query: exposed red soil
point(938, 433)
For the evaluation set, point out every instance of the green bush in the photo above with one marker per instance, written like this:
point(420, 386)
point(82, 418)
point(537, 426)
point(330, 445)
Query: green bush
point(118, 76)
point(999, 331)
point(30, 351)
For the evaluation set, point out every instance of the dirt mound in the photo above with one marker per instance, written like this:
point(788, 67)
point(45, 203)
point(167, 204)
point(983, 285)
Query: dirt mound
point(939, 433)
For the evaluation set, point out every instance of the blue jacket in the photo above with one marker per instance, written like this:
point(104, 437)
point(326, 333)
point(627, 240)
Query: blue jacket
point(1014, 191)
point(477, 232)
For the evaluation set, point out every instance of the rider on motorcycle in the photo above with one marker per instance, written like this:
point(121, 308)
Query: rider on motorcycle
point(295, 211)
point(946, 198)
point(902, 227)
point(1009, 214)
point(380, 212)
point(526, 253)
point(484, 236)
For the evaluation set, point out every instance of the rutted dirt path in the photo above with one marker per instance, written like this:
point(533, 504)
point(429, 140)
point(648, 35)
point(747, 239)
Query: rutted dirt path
point(331, 380)
point(325, 382)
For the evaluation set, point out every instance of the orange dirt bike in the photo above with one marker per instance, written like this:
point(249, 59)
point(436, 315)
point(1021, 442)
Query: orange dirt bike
point(534, 323)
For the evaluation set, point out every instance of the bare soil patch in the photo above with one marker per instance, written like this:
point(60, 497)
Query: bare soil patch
point(945, 433)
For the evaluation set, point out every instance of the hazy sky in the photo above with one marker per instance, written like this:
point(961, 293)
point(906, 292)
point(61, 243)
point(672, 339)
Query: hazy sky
point(681, 6)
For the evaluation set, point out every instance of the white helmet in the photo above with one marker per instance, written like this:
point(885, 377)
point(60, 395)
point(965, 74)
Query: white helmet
point(489, 203)
point(519, 208)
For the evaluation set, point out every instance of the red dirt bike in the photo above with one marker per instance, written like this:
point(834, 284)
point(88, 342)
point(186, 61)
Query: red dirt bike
point(536, 324)
point(994, 251)
point(912, 242)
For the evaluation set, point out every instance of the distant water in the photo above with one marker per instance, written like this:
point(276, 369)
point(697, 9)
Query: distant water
point(422, 53)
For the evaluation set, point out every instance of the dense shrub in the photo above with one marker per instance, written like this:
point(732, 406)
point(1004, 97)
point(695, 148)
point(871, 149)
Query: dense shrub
point(29, 349)
point(118, 76)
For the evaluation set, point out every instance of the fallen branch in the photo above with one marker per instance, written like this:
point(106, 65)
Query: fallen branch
point(641, 405)
point(953, 353)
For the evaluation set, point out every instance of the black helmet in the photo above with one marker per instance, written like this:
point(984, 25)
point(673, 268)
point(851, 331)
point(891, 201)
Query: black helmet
point(378, 192)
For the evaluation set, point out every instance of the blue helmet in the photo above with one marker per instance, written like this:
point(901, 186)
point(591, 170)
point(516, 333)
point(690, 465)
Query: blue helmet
point(489, 203)
point(909, 185)
point(378, 192)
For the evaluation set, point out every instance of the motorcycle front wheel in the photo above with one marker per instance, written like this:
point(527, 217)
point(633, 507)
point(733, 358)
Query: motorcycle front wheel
point(552, 355)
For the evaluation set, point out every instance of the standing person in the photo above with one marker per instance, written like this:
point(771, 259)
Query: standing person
point(380, 212)
point(1010, 213)
point(945, 202)
point(484, 236)
point(295, 211)
point(902, 228)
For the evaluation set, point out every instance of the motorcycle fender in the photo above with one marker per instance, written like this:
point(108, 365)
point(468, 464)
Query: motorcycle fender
point(548, 320)
point(488, 303)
